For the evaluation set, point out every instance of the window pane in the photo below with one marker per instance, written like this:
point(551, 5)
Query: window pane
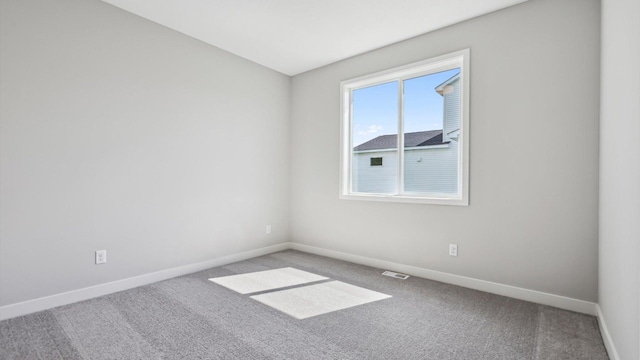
point(431, 129)
point(374, 136)
point(376, 161)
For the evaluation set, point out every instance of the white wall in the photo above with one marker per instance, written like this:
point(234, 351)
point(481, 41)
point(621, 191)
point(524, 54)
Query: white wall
point(533, 215)
point(619, 277)
point(120, 134)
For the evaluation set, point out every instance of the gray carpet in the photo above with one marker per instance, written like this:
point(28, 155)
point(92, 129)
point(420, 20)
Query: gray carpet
point(192, 318)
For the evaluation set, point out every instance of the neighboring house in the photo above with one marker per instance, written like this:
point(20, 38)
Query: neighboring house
point(430, 159)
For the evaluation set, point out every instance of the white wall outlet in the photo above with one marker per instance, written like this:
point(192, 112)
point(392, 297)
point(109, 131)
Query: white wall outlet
point(453, 249)
point(268, 229)
point(101, 256)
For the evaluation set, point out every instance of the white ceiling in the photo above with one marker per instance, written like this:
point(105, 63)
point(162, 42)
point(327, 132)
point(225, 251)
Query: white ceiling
point(294, 36)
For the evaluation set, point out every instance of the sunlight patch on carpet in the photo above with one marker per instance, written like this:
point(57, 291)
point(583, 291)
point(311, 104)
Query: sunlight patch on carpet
point(312, 300)
point(266, 280)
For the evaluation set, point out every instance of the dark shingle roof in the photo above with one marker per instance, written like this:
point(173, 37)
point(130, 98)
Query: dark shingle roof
point(420, 138)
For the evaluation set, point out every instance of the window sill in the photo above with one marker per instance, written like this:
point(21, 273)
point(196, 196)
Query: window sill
point(434, 200)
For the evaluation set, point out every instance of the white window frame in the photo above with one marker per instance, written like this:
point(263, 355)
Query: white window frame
point(458, 59)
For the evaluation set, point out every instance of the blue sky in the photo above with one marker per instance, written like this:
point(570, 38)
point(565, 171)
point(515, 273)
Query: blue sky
point(375, 109)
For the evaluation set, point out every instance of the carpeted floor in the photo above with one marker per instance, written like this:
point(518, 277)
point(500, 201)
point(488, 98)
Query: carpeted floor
point(190, 317)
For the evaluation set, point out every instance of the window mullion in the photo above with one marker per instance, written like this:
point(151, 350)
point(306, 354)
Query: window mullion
point(400, 137)
point(350, 145)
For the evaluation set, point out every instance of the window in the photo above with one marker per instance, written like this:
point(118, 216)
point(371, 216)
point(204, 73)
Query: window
point(376, 161)
point(416, 117)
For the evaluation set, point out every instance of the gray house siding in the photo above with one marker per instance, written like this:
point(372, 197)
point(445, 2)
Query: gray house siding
point(375, 179)
point(426, 170)
point(451, 121)
point(431, 170)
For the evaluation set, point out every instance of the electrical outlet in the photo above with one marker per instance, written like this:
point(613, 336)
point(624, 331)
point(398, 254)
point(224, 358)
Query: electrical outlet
point(453, 249)
point(101, 256)
point(268, 230)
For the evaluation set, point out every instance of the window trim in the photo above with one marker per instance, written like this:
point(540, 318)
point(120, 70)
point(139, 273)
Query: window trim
point(444, 62)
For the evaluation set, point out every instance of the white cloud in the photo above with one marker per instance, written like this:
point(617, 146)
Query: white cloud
point(372, 129)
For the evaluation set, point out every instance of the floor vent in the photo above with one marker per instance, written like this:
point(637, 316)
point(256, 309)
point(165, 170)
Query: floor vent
point(395, 275)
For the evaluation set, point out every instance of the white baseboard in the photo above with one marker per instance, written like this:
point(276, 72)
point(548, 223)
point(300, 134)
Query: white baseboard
point(606, 337)
point(538, 297)
point(48, 302)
